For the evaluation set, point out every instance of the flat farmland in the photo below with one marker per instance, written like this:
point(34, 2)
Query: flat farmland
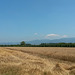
point(37, 61)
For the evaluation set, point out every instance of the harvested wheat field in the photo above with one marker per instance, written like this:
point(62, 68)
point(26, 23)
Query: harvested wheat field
point(37, 61)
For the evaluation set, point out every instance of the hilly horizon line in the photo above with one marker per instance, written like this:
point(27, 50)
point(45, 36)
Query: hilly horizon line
point(36, 42)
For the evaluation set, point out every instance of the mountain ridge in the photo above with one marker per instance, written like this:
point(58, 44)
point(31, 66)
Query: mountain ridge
point(36, 42)
point(65, 40)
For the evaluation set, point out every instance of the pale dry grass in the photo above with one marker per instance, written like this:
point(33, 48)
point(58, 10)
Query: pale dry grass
point(37, 61)
point(66, 54)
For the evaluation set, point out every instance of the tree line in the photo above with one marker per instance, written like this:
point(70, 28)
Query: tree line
point(23, 44)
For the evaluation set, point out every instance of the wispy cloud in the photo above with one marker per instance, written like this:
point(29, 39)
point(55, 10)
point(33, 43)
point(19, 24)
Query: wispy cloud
point(52, 35)
point(55, 36)
point(35, 33)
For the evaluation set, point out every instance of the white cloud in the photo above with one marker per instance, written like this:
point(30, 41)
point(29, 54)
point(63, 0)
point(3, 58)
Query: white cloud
point(35, 33)
point(52, 35)
point(55, 36)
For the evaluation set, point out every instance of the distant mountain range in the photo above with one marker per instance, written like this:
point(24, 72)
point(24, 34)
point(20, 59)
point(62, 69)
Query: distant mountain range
point(65, 40)
point(36, 42)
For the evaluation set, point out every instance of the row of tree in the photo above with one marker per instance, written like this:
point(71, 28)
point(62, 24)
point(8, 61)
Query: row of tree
point(23, 44)
point(57, 45)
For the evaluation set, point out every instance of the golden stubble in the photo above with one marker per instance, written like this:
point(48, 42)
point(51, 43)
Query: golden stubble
point(37, 61)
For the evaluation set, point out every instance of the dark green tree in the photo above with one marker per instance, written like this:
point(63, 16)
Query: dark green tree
point(23, 43)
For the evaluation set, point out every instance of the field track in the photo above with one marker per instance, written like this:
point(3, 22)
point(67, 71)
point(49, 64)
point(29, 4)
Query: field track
point(37, 61)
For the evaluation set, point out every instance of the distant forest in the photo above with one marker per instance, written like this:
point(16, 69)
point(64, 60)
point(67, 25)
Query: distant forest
point(23, 44)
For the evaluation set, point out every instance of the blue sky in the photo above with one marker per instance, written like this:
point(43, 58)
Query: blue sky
point(36, 19)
